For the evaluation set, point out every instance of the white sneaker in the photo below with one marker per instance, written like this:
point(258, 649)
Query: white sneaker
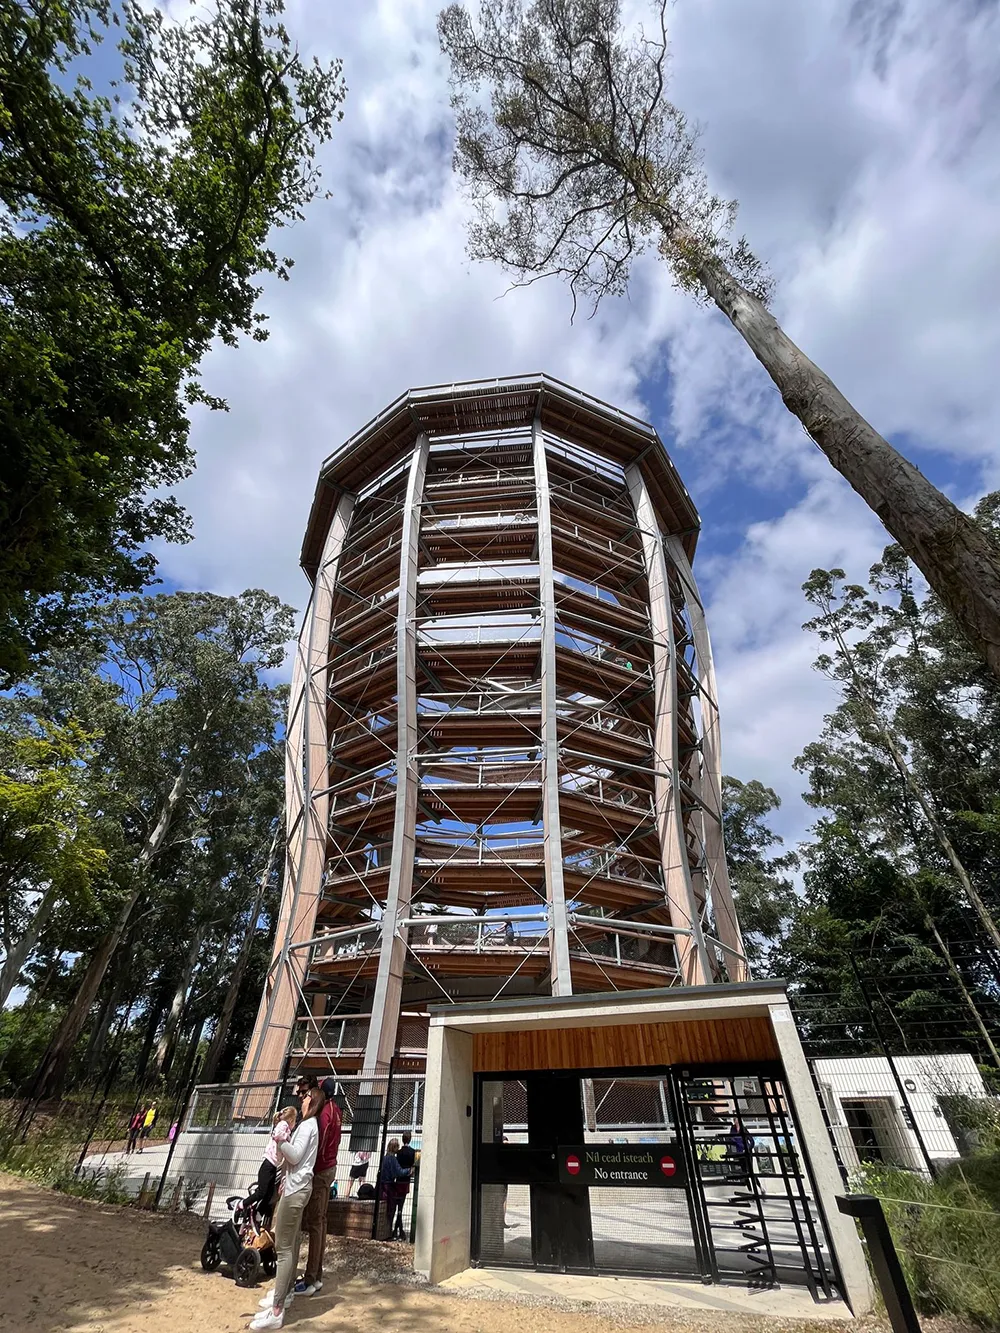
point(310, 1289)
point(268, 1319)
point(268, 1302)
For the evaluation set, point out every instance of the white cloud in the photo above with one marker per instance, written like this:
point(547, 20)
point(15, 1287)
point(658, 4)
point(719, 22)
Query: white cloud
point(773, 700)
point(865, 150)
point(866, 154)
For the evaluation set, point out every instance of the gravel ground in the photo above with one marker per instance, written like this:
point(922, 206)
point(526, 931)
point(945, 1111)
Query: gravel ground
point(71, 1266)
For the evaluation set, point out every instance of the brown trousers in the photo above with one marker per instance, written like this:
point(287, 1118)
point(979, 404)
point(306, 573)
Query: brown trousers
point(314, 1222)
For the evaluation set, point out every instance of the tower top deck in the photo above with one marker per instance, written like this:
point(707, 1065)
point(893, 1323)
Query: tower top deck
point(479, 406)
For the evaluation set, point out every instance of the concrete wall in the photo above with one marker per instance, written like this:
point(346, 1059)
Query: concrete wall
point(816, 1146)
point(444, 1203)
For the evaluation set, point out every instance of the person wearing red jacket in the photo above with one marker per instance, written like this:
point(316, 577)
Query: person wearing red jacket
point(314, 1217)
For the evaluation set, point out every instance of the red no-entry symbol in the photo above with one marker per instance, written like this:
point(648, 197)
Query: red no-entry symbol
point(668, 1166)
point(573, 1165)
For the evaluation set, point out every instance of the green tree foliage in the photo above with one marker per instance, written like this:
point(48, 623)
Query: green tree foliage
point(576, 161)
point(765, 896)
point(184, 723)
point(901, 873)
point(49, 852)
point(133, 230)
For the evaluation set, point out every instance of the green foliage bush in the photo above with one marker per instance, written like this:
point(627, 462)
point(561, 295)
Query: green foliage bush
point(947, 1233)
point(25, 1031)
point(48, 1153)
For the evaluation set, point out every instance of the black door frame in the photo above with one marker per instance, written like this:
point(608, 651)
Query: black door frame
point(538, 1160)
point(701, 1231)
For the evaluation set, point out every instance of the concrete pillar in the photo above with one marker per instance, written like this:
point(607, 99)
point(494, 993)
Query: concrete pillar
point(692, 956)
point(724, 911)
point(307, 776)
point(444, 1202)
point(816, 1148)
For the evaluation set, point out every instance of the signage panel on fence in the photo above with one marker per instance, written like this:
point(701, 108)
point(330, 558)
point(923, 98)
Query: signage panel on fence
point(655, 1164)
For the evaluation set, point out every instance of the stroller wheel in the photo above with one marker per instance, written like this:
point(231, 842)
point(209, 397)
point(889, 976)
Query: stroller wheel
point(247, 1268)
point(211, 1254)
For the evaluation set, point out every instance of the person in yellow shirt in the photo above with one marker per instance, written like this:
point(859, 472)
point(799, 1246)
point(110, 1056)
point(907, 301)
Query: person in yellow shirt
point(148, 1121)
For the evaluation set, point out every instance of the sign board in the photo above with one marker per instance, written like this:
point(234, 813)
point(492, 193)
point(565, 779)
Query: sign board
point(633, 1164)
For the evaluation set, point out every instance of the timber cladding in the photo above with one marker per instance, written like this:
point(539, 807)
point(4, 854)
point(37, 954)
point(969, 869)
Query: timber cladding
point(633, 1045)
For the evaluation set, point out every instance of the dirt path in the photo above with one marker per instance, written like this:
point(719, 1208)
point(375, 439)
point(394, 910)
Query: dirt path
point(81, 1267)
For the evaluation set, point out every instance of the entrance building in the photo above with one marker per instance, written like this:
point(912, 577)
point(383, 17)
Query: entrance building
point(671, 1134)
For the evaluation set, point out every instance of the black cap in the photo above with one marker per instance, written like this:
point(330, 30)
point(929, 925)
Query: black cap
point(329, 1086)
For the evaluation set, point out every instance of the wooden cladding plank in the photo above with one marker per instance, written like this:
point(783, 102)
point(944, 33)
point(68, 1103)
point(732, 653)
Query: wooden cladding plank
point(633, 1045)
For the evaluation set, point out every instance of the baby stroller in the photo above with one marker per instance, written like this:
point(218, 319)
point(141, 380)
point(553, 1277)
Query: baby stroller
point(243, 1241)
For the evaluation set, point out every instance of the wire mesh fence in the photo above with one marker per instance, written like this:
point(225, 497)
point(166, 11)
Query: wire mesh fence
point(215, 1154)
point(82, 1142)
point(201, 1150)
point(905, 1068)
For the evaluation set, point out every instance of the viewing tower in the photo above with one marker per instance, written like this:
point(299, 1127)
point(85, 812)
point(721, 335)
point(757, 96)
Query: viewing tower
point(503, 771)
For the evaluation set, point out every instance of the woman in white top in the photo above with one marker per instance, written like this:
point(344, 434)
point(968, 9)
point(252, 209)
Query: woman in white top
point(297, 1157)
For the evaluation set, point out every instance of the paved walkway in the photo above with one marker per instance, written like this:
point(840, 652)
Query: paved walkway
point(785, 1303)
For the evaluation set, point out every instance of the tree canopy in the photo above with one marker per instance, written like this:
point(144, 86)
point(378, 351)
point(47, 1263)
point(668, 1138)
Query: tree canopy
point(901, 869)
point(182, 788)
point(136, 219)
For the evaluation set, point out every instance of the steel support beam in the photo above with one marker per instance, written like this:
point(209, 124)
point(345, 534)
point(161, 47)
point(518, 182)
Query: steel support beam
point(392, 949)
point(562, 980)
point(307, 777)
point(726, 922)
point(692, 955)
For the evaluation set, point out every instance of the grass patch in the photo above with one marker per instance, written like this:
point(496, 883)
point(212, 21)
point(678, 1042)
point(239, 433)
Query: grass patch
point(947, 1233)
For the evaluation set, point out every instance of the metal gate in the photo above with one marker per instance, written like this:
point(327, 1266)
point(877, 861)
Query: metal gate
point(753, 1194)
point(683, 1173)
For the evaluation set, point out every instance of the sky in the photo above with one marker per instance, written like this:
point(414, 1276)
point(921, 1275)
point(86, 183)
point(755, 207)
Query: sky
point(863, 142)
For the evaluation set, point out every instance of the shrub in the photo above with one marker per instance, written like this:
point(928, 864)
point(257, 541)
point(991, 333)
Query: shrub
point(190, 1193)
point(947, 1233)
point(106, 1184)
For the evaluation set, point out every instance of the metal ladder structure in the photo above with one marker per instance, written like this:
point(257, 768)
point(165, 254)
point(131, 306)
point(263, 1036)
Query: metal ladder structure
point(759, 1220)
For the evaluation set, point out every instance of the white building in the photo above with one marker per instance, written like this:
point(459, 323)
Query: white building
point(870, 1121)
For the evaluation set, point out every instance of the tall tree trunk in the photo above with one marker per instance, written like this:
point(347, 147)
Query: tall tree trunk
point(17, 957)
point(958, 560)
point(959, 981)
point(165, 1046)
point(191, 1054)
point(52, 1072)
point(214, 1055)
point(102, 1024)
point(155, 1012)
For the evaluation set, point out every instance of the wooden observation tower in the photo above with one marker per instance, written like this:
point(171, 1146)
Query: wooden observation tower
point(503, 772)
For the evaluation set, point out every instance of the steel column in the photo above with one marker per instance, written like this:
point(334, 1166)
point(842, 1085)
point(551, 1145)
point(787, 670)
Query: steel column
point(562, 980)
point(692, 956)
point(392, 946)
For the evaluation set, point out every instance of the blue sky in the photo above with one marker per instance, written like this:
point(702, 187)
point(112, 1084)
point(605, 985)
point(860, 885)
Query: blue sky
point(864, 146)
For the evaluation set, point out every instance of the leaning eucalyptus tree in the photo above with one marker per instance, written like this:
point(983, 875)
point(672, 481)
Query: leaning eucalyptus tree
point(577, 161)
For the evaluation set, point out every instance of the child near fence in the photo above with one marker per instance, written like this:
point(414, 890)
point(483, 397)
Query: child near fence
point(267, 1173)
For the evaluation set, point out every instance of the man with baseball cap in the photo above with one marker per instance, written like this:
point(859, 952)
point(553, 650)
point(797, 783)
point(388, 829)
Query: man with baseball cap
point(315, 1213)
